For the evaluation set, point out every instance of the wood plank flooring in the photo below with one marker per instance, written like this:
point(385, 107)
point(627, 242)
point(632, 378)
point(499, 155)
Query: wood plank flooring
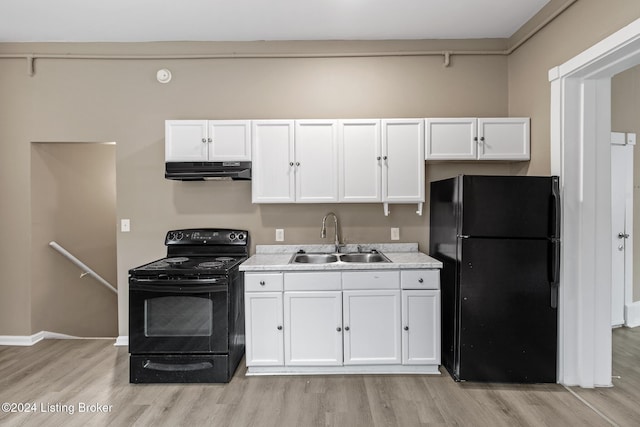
point(59, 376)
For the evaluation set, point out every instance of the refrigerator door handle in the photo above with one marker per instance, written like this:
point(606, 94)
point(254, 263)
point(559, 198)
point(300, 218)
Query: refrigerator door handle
point(554, 272)
point(555, 193)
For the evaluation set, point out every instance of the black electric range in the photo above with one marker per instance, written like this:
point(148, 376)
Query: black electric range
point(186, 311)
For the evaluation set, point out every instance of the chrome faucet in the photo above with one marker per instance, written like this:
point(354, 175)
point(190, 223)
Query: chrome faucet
point(323, 232)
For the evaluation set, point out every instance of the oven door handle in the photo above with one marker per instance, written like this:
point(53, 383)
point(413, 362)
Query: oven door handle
point(191, 286)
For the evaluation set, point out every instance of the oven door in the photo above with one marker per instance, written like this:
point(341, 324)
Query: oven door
point(189, 318)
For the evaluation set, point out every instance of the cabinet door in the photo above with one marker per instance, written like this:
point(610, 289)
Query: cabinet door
point(313, 328)
point(316, 161)
point(360, 167)
point(264, 329)
point(372, 327)
point(451, 139)
point(273, 178)
point(186, 141)
point(403, 160)
point(421, 327)
point(503, 139)
point(230, 140)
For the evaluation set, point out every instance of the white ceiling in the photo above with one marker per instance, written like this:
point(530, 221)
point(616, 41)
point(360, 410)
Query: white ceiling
point(243, 20)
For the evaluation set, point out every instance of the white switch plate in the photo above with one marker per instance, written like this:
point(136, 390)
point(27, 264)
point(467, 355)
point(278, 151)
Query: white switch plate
point(125, 225)
point(631, 138)
point(395, 233)
point(279, 235)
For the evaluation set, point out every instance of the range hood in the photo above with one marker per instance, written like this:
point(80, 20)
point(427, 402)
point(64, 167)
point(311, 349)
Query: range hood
point(203, 171)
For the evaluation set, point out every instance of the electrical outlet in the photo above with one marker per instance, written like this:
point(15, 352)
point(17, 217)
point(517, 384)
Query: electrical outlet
point(125, 225)
point(395, 233)
point(279, 235)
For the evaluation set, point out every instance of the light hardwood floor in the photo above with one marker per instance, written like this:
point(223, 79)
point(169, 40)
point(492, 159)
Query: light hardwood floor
point(60, 375)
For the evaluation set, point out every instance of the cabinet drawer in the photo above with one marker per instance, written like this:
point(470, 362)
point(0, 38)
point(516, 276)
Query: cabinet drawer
point(420, 279)
point(370, 280)
point(325, 281)
point(262, 282)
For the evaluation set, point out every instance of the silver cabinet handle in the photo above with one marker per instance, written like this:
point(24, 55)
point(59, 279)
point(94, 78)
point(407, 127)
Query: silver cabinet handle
point(482, 138)
point(210, 140)
point(338, 329)
point(279, 327)
point(346, 328)
point(297, 163)
point(420, 280)
point(384, 158)
point(622, 235)
point(406, 328)
point(290, 163)
point(204, 139)
point(378, 158)
point(262, 283)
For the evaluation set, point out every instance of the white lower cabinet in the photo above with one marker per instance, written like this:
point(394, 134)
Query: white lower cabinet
point(372, 327)
point(373, 321)
point(264, 329)
point(264, 325)
point(421, 327)
point(313, 333)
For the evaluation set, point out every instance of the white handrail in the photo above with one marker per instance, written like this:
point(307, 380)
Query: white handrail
point(86, 270)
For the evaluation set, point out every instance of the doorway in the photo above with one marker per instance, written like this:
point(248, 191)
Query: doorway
point(581, 156)
point(622, 151)
point(73, 203)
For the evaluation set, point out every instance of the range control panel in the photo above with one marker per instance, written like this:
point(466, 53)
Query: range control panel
point(206, 236)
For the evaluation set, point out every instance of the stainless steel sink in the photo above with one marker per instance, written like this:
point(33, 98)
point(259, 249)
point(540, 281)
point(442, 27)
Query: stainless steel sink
point(313, 258)
point(323, 258)
point(364, 257)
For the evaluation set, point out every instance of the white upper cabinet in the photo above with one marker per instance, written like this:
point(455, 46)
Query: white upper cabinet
point(449, 139)
point(295, 161)
point(360, 161)
point(230, 140)
point(207, 140)
point(477, 139)
point(273, 179)
point(403, 160)
point(186, 141)
point(503, 139)
point(316, 161)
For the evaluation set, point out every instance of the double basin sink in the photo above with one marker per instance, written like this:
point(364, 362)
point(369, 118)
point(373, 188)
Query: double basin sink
point(323, 258)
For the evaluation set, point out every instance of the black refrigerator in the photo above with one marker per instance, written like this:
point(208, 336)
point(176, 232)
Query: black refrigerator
point(498, 240)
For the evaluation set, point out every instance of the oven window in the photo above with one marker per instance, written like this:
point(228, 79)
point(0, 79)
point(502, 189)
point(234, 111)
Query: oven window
point(178, 316)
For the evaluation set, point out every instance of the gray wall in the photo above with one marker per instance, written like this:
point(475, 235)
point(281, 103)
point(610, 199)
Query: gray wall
point(120, 100)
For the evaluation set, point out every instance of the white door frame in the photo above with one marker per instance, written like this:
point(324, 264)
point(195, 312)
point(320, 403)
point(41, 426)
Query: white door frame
point(581, 156)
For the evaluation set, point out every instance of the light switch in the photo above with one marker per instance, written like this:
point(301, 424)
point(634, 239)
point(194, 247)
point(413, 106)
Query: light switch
point(279, 235)
point(395, 233)
point(125, 225)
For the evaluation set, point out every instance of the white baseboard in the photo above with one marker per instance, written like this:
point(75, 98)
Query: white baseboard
point(632, 314)
point(28, 340)
point(122, 341)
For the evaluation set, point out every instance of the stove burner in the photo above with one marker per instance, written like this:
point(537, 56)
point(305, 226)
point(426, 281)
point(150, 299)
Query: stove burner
point(210, 264)
point(159, 265)
point(176, 260)
point(224, 259)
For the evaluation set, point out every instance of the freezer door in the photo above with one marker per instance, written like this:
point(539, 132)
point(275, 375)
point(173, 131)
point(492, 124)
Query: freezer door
point(509, 206)
point(508, 327)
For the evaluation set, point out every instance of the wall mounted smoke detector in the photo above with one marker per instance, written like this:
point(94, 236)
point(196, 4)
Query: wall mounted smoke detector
point(163, 76)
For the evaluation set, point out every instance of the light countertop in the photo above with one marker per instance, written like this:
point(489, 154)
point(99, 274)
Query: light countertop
point(277, 257)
